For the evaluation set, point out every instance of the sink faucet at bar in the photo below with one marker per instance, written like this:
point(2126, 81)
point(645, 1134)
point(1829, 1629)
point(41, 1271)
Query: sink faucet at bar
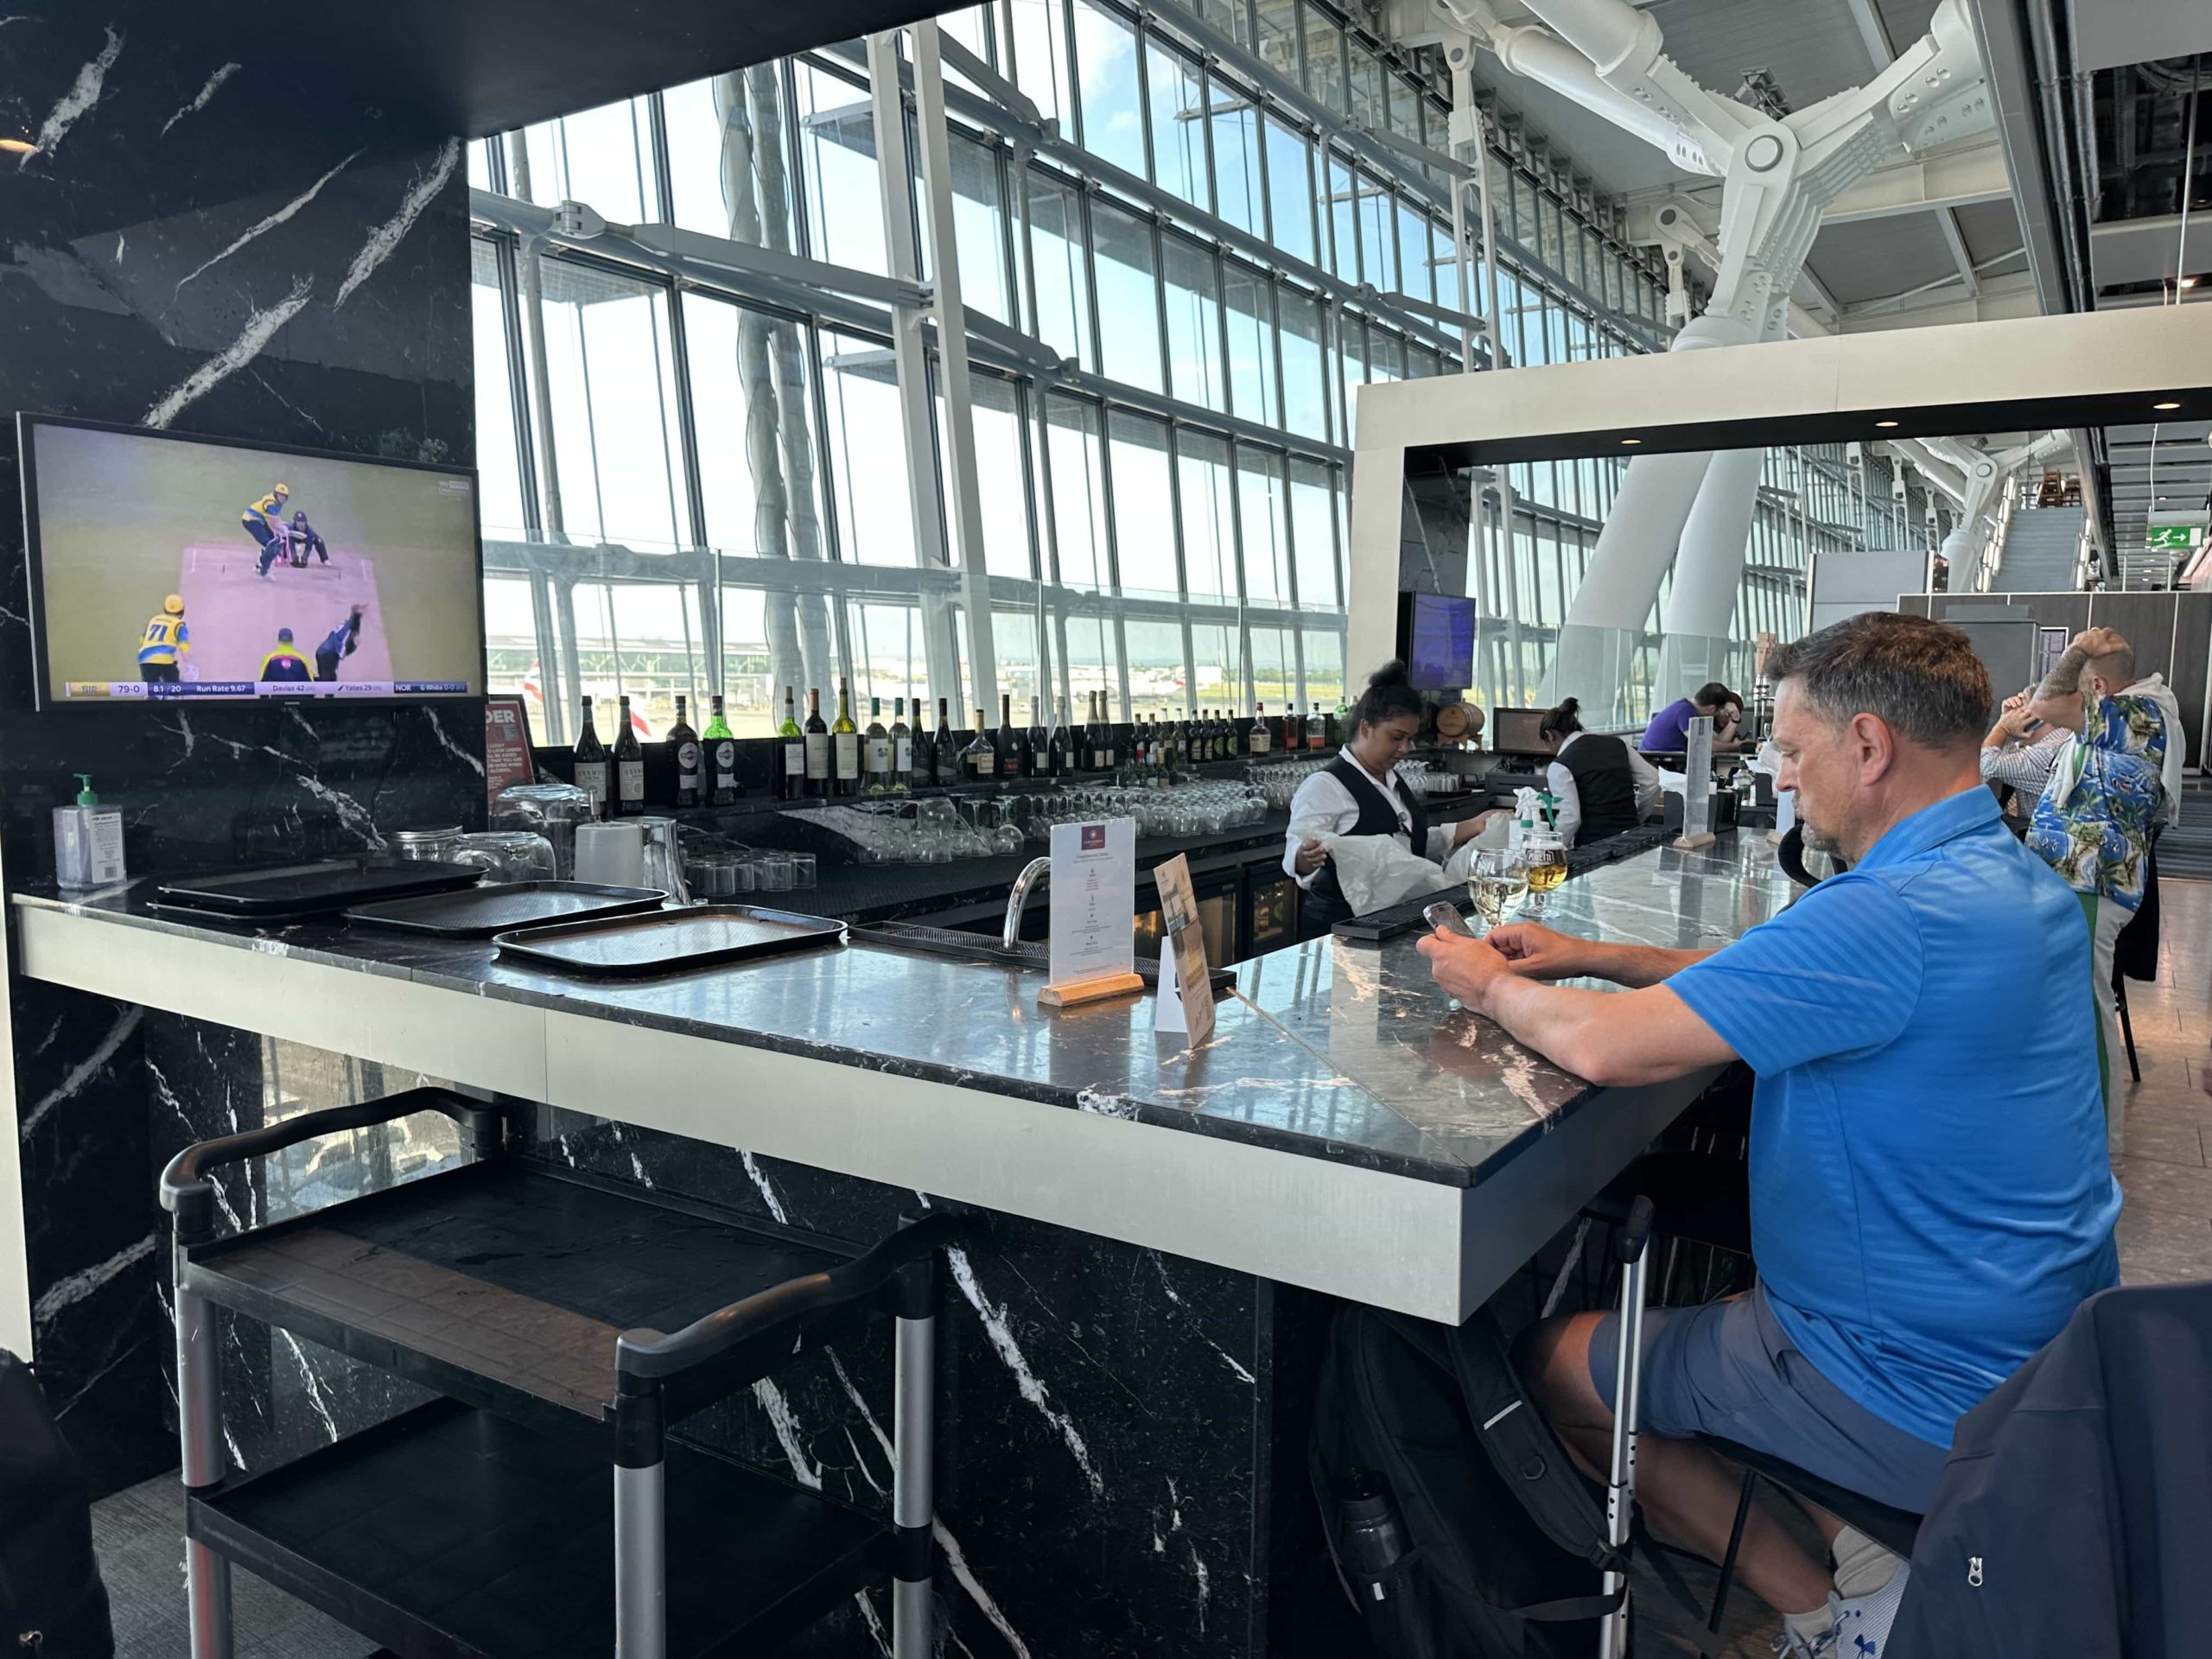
point(1034, 871)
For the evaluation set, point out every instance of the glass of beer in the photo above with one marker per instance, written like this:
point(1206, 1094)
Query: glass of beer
point(1498, 881)
point(1546, 856)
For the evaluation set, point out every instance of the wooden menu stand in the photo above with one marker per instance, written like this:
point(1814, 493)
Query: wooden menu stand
point(1691, 843)
point(1088, 990)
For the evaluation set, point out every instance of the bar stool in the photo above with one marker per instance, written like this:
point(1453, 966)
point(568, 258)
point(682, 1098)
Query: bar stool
point(1896, 1531)
point(481, 1525)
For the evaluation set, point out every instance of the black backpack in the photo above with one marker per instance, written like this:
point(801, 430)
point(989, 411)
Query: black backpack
point(53, 1604)
point(1460, 1526)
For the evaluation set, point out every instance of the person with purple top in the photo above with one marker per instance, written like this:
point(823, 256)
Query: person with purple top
point(1669, 730)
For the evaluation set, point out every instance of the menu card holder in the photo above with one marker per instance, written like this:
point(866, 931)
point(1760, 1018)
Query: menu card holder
point(1092, 945)
point(1185, 1001)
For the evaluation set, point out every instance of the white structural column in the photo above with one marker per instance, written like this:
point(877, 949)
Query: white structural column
point(1708, 570)
point(910, 359)
point(950, 318)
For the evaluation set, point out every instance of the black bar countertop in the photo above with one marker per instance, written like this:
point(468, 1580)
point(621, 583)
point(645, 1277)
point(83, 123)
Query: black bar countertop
point(1333, 1049)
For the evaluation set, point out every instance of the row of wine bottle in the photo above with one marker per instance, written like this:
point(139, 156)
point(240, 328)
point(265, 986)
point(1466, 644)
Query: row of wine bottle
point(823, 760)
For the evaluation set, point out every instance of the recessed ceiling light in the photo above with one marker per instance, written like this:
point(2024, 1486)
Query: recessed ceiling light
point(2165, 406)
point(1886, 424)
point(1631, 439)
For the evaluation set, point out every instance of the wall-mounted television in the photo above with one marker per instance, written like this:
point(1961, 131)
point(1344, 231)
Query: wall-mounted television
point(169, 567)
point(1436, 635)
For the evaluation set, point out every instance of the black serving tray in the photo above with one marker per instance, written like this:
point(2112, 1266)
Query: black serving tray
point(303, 889)
point(669, 941)
point(479, 912)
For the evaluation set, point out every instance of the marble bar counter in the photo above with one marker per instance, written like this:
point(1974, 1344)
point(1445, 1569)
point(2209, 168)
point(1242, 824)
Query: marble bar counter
point(1343, 1128)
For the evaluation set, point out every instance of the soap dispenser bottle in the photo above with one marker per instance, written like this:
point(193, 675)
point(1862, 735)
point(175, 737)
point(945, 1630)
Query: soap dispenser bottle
point(87, 842)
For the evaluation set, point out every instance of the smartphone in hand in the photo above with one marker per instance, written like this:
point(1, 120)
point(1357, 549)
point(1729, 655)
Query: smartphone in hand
point(1445, 917)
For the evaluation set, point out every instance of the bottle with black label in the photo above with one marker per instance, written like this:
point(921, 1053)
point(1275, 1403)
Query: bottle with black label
point(1258, 736)
point(817, 746)
point(720, 746)
point(690, 779)
point(844, 744)
point(875, 751)
point(979, 761)
point(1035, 762)
point(1056, 745)
point(902, 746)
point(944, 753)
point(1011, 739)
point(591, 766)
point(792, 745)
point(629, 767)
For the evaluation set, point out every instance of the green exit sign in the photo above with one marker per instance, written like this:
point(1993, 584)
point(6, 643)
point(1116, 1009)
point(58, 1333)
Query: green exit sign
point(2180, 535)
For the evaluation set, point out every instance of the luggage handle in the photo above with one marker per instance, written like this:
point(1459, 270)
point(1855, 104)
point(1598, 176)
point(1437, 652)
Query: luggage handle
point(1634, 1233)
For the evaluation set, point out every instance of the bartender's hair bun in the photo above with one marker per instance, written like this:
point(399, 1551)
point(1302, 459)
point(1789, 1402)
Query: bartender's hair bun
point(1563, 722)
point(1388, 695)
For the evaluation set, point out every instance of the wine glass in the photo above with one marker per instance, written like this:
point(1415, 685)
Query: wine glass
point(1545, 853)
point(1498, 881)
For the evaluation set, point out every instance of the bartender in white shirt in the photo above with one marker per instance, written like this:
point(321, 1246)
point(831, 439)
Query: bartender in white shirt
point(1602, 785)
point(1358, 794)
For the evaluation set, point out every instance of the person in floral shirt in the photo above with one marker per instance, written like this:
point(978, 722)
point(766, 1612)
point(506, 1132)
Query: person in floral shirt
point(2092, 824)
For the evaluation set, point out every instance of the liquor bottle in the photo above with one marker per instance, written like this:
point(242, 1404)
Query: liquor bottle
point(1036, 762)
point(845, 744)
point(944, 766)
point(629, 768)
point(720, 745)
point(1056, 745)
point(1257, 737)
point(876, 756)
point(979, 761)
point(817, 746)
point(1341, 725)
point(792, 783)
point(902, 746)
point(1294, 729)
point(1317, 729)
point(1010, 739)
point(591, 765)
point(690, 784)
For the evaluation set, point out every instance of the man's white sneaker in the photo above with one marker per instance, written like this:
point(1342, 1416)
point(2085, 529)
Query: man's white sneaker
point(1862, 1623)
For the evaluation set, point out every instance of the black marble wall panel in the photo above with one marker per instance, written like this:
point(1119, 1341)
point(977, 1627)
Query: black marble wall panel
point(227, 248)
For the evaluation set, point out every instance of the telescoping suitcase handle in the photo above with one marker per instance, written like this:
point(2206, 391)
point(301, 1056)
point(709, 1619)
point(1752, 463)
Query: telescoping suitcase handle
point(1634, 1233)
point(1628, 1380)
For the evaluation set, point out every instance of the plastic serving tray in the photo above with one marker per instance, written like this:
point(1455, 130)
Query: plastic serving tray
point(669, 941)
point(479, 912)
point(300, 889)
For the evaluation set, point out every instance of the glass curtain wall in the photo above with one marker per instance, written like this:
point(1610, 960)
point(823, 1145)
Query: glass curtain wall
point(709, 486)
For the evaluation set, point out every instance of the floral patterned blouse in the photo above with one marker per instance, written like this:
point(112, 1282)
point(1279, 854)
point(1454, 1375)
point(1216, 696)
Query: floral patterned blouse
point(2092, 824)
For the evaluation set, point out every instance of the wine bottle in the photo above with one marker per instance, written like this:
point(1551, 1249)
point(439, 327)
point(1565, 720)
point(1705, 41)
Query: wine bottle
point(845, 743)
point(591, 765)
point(720, 745)
point(1035, 762)
point(945, 765)
point(875, 751)
point(902, 746)
point(792, 783)
point(1113, 735)
point(1056, 745)
point(817, 746)
point(1009, 741)
point(1258, 734)
point(979, 761)
point(629, 767)
point(690, 784)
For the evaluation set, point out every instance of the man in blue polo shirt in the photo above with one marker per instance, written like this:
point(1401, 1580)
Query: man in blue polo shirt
point(1930, 1196)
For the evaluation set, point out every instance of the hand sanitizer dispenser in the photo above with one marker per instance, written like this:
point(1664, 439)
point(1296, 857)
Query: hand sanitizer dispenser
point(87, 842)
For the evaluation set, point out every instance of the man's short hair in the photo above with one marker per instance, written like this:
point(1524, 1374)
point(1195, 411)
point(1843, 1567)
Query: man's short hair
point(2116, 666)
point(1712, 694)
point(1919, 678)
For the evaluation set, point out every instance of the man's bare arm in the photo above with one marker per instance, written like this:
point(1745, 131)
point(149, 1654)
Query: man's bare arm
point(1614, 1040)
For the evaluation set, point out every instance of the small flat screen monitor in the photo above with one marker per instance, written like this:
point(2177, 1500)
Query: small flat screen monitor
point(1517, 731)
point(172, 569)
point(1439, 642)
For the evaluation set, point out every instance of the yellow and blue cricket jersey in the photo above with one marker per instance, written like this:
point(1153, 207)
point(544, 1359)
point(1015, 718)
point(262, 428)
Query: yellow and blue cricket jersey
point(266, 509)
point(164, 638)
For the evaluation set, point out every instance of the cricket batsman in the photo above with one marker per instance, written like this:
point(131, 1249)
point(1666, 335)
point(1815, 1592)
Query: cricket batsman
point(163, 643)
point(264, 521)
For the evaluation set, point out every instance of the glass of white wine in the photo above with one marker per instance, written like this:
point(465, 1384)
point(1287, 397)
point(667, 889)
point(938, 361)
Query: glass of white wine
point(1498, 881)
point(1547, 855)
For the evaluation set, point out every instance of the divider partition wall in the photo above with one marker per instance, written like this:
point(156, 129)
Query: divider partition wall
point(1423, 447)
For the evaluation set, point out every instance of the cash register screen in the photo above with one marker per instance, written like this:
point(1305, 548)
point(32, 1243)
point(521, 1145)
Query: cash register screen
point(1516, 731)
point(168, 568)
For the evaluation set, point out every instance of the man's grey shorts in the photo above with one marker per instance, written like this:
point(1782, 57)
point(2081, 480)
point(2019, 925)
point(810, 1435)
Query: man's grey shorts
point(1727, 1369)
